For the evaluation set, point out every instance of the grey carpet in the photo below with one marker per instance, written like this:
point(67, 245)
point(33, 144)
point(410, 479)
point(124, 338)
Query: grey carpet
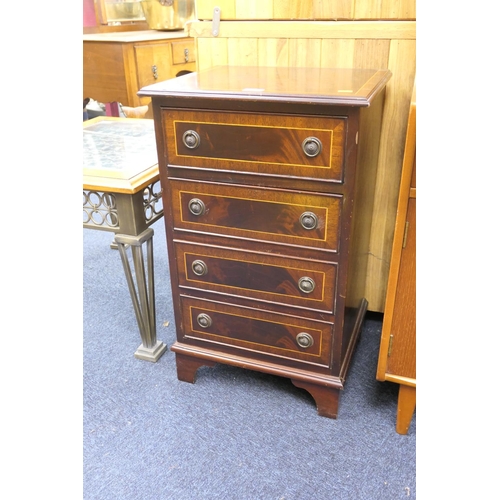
point(234, 434)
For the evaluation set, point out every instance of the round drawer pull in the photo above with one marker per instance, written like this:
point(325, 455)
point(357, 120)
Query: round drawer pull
point(191, 139)
point(311, 146)
point(196, 206)
point(204, 320)
point(199, 268)
point(309, 220)
point(304, 340)
point(306, 284)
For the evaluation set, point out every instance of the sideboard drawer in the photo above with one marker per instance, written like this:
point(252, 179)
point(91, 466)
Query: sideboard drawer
point(296, 146)
point(183, 52)
point(281, 280)
point(257, 331)
point(286, 217)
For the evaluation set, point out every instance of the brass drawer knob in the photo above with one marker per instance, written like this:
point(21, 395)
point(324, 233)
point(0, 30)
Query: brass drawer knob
point(306, 284)
point(196, 206)
point(304, 340)
point(191, 139)
point(309, 220)
point(204, 320)
point(311, 146)
point(199, 268)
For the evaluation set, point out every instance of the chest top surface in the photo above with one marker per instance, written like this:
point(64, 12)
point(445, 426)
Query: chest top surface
point(351, 87)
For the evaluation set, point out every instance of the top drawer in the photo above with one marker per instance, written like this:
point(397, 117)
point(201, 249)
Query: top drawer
point(280, 145)
point(183, 52)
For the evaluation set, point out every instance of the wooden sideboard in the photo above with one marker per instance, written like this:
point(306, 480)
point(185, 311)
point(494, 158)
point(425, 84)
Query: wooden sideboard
point(117, 65)
point(268, 211)
point(397, 356)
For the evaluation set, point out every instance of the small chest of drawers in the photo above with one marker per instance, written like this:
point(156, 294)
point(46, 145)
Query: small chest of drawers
point(267, 209)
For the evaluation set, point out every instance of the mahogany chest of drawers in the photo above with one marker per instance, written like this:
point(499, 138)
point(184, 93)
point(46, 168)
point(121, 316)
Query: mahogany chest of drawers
point(267, 198)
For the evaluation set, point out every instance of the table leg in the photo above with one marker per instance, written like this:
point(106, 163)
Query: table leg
point(406, 406)
point(143, 297)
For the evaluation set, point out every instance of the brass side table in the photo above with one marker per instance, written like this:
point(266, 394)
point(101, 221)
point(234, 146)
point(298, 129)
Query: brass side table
point(122, 194)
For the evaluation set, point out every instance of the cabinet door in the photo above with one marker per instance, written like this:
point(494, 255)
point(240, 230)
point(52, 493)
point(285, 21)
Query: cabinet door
point(104, 75)
point(402, 359)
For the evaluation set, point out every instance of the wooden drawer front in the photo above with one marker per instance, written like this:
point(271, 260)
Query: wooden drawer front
point(257, 143)
point(152, 63)
point(262, 277)
point(256, 331)
point(183, 52)
point(261, 214)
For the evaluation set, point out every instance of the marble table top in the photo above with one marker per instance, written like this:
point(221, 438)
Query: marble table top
point(118, 150)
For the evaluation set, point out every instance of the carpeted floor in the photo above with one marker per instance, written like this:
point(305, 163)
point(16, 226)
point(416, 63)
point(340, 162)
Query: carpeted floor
point(234, 434)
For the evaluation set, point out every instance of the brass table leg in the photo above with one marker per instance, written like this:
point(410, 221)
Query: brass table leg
point(143, 297)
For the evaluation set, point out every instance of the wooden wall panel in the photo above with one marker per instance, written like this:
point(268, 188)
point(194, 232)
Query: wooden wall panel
point(352, 53)
point(305, 52)
point(205, 8)
point(307, 9)
point(397, 106)
point(274, 52)
point(312, 9)
point(385, 45)
point(379, 30)
point(337, 53)
point(385, 9)
point(243, 51)
point(211, 52)
point(256, 9)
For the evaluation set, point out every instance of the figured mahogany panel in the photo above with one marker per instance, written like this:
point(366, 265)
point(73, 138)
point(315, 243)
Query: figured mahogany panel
point(282, 280)
point(257, 213)
point(255, 331)
point(257, 143)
